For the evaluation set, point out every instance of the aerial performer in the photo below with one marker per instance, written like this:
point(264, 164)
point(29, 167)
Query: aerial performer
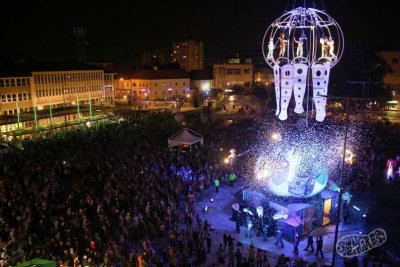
point(331, 45)
point(324, 46)
point(282, 43)
point(271, 48)
point(317, 44)
point(299, 51)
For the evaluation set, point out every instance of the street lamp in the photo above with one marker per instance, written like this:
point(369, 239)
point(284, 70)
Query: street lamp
point(341, 183)
point(276, 136)
point(65, 114)
point(344, 158)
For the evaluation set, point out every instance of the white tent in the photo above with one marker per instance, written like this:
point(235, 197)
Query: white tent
point(185, 137)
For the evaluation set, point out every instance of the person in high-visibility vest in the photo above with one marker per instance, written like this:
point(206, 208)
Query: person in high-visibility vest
point(232, 178)
point(216, 184)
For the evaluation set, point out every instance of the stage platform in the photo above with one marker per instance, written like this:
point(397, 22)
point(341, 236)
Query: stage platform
point(219, 213)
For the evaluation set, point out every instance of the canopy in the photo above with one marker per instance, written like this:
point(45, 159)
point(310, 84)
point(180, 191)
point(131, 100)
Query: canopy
point(37, 262)
point(298, 206)
point(185, 137)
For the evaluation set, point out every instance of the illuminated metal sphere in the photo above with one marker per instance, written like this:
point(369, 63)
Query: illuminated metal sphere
point(313, 28)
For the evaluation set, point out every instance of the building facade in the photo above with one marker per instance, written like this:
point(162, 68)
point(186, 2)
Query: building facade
point(189, 55)
point(59, 88)
point(153, 85)
point(229, 75)
point(21, 95)
point(16, 95)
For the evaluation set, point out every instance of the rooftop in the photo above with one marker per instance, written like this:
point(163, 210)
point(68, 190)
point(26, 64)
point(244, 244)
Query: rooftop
point(159, 74)
point(22, 68)
point(201, 75)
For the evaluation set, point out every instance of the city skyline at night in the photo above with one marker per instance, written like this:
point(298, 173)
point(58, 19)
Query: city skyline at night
point(119, 32)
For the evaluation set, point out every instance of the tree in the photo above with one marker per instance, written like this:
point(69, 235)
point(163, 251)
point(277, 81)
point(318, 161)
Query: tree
point(197, 98)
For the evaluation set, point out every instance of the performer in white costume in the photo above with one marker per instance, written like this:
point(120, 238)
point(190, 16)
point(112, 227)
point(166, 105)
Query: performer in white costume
point(324, 46)
point(310, 43)
point(299, 51)
point(271, 48)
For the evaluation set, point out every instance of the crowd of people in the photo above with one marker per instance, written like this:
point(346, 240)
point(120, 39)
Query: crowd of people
point(102, 197)
point(88, 197)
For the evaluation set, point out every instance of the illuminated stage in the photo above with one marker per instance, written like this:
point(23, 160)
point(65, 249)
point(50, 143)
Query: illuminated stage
point(291, 214)
point(291, 173)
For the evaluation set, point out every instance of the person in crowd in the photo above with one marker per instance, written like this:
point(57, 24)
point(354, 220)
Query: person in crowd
point(320, 243)
point(310, 243)
point(278, 240)
point(238, 257)
point(216, 184)
point(296, 244)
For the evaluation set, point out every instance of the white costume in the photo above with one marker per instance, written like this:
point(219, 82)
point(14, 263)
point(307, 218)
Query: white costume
point(299, 51)
point(271, 48)
point(324, 46)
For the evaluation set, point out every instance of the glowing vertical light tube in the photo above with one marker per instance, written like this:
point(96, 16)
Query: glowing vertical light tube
point(35, 115)
point(77, 104)
point(18, 120)
point(90, 108)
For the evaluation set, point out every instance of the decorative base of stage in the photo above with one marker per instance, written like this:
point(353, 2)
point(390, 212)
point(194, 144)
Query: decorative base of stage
point(292, 215)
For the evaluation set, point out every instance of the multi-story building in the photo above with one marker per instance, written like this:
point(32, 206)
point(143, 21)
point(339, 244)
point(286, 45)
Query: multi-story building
point(54, 88)
point(189, 55)
point(153, 85)
point(59, 88)
point(228, 75)
point(262, 73)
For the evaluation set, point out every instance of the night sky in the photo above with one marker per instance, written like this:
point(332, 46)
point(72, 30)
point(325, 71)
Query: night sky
point(119, 30)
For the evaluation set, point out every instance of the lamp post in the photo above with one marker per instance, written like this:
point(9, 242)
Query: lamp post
point(65, 115)
point(341, 174)
point(341, 183)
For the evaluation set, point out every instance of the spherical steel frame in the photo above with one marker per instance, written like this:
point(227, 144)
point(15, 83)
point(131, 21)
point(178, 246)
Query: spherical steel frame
point(310, 23)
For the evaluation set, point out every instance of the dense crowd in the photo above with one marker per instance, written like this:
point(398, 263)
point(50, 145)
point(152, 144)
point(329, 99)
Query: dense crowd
point(89, 196)
point(101, 197)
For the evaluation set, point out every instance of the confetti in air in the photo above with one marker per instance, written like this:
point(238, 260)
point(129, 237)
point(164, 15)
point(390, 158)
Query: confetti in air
point(302, 161)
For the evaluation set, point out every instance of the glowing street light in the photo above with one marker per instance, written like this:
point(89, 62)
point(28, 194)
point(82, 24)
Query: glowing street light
point(276, 137)
point(349, 157)
point(226, 160)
